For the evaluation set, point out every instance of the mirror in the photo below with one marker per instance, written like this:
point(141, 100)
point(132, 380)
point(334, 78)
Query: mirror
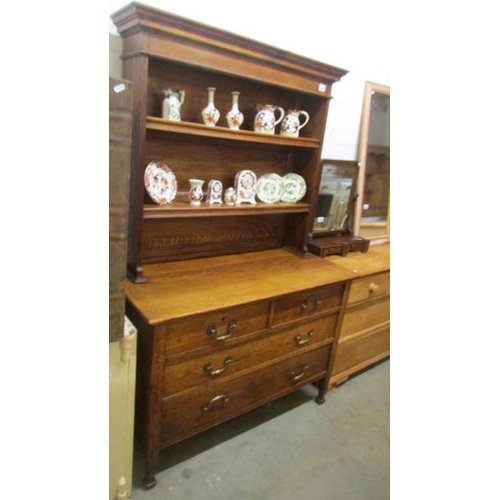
point(334, 217)
point(335, 208)
point(372, 206)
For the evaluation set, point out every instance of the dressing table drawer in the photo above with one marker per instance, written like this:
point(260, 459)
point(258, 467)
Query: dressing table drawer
point(221, 364)
point(193, 411)
point(308, 303)
point(215, 329)
point(356, 352)
point(369, 288)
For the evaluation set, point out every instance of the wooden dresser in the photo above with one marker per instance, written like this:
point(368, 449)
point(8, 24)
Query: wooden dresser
point(364, 334)
point(222, 335)
point(232, 310)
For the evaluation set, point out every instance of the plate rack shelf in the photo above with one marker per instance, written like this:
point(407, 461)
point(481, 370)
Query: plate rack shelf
point(163, 51)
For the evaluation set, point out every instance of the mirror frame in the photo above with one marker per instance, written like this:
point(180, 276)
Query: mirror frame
point(352, 167)
point(370, 89)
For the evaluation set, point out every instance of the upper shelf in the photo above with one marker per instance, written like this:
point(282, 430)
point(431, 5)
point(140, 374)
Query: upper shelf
point(201, 130)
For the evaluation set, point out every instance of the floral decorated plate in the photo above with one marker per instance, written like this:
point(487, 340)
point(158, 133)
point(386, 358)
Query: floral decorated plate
point(270, 188)
point(160, 182)
point(295, 188)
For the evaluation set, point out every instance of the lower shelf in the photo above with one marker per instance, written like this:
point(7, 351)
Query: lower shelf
point(179, 209)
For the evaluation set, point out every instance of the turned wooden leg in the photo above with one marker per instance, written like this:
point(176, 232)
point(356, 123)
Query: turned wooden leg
point(149, 480)
point(322, 385)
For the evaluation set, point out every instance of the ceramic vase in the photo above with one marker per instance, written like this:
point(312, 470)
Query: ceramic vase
point(210, 113)
point(234, 116)
point(195, 191)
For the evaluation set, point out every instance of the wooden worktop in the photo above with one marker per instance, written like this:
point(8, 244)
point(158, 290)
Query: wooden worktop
point(180, 289)
point(376, 260)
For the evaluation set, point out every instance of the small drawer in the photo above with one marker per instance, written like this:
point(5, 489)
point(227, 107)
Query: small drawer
point(360, 350)
point(214, 329)
point(369, 287)
point(218, 365)
point(365, 316)
point(194, 411)
point(308, 303)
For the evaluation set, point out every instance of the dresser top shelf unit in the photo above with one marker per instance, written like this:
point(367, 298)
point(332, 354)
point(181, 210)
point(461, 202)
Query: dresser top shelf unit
point(161, 51)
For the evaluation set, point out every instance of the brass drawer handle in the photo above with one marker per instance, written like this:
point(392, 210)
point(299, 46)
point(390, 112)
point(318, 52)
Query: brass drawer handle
point(314, 298)
point(212, 330)
point(300, 341)
point(208, 369)
point(222, 399)
point(373, 288)
point(298, 376)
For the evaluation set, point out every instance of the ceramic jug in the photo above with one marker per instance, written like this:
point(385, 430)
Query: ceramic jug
point(291, 124)
point(265, 119)
point(172, 103)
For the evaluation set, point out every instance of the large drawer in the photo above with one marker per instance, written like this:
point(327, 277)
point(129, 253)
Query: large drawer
point(193, 411)
point(215, 329)
point(220, 364)
point(364, 316)
point(361, 349)
point(369, 287)
point(308, 303)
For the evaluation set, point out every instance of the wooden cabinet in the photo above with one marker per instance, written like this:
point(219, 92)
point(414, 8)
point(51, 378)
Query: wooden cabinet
point(364, 334)
point(231, 341)
point(231, 308)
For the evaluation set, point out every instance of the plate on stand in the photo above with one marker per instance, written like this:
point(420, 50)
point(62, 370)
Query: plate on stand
point(160, 182)
point(295, 188)
point(270, 188)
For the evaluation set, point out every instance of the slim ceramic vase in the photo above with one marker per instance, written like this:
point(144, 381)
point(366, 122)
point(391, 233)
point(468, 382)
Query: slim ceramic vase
point(210, 113)
point(234, 116)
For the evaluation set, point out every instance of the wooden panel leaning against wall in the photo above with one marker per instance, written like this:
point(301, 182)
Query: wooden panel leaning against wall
point(120, 140)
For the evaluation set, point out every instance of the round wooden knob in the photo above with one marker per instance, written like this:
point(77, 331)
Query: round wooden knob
point(373, 288)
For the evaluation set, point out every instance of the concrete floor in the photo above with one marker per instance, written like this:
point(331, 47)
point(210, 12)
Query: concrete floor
point(291, 449)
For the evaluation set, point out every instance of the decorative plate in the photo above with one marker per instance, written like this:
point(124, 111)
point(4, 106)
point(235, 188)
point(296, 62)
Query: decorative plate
point(160, 182)
point(295, 188)
point(270, 188)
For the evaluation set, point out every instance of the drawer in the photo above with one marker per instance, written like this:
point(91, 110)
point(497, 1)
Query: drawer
point(370, 287)
point(214, 329)
point(218, 365)
point(360, 350)
point(307, 303)
point(194, 411)
point(364, 316)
